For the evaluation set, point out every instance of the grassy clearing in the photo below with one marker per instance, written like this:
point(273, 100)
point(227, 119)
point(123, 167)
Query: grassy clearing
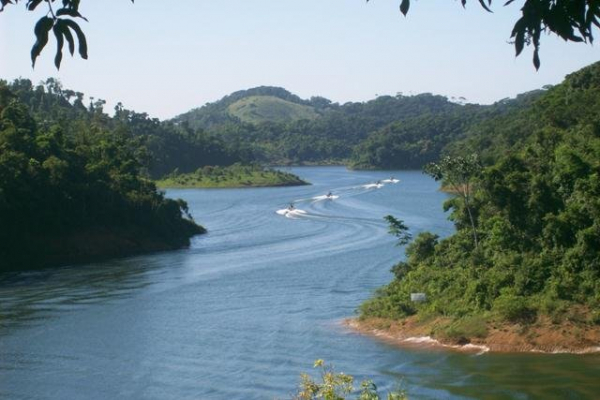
point(257, 109)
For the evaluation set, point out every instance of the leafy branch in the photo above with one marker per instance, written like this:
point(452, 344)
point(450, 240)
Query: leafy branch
point(398, 229)
point(571, 20)
point(63, 25)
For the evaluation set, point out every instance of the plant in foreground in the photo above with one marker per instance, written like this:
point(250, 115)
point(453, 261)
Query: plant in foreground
point(339, 386)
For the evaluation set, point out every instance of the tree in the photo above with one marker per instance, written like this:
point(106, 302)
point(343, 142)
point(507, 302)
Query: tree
point(458, 173)
point(398, 229)
point(572, 20)
point(62, 24)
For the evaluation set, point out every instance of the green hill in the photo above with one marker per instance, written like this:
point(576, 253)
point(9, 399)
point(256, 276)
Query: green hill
point(259, 109)
point(272, 125)
point(526, 253)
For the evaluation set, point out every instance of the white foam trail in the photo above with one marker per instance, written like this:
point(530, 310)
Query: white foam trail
point(325, 197)
point(481, 349)
point(429, 341)
point(421, 340)
point(290, 213)
point(390, 180)
point(373, 186)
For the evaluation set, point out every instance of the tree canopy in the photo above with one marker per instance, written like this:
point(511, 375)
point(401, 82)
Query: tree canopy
point(534, 207)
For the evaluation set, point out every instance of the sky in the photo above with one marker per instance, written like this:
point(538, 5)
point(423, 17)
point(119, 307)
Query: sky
point(166, 57)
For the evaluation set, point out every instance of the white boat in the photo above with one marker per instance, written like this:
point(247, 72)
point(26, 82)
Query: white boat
point(287, 212)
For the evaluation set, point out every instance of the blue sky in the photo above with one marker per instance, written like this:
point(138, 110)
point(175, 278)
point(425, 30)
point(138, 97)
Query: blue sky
point(165, 57)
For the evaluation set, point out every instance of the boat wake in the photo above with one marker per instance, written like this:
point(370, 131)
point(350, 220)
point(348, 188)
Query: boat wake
point(295, 213)
point(325, 197)
point(373, 186)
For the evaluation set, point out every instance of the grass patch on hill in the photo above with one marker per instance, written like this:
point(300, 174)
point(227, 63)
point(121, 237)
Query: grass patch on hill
point(257, 109)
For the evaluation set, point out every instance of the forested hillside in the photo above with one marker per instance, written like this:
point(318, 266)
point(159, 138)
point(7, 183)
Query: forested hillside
point(417, 140)
point(527, 246)
point(69, 144)
point(271, 125)
point(160, 147)
point(274, 126)
point(71, 184)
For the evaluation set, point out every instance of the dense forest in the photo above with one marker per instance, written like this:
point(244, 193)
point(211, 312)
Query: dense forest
point(160, 147)
point(72, 182)
point(273, 126)
point(276, 127)
point(527, 245)
point(75, 157)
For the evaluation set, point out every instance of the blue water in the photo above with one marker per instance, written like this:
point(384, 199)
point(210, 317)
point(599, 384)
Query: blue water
point(251, 305)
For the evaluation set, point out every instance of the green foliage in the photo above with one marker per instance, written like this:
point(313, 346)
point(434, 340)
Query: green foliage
point(274, 126)
point(399, 230)
point(339, 386)
point(463, 329)
point(422, 248)
point(236, 175)
point(69, 174)
point(259, 109)
point(534, 206)
point(459, 173)
point(513, 308)
point(160, 147)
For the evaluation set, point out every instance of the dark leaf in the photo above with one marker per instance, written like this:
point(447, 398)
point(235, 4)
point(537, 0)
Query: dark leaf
point(70, 12)
point(404, 6)
point(32, 4)
point(80, 37)
point(482, 2)
point(67, 34)
point(60, 41)
point(3, 3)
point(42, 28)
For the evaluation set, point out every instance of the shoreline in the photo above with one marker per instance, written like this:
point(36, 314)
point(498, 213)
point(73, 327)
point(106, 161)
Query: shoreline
point(251, 186)
point(506, 339)
point(94, 244)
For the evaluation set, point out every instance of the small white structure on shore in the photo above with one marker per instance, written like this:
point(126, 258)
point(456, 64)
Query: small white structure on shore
point(418, 297)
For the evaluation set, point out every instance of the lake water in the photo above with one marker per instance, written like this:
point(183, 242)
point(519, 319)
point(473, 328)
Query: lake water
point(251, 305)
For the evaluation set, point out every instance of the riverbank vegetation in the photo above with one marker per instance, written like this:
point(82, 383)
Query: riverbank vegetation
point(526, 252)
point(233, 176)
point(72, 190)
point(333, 385)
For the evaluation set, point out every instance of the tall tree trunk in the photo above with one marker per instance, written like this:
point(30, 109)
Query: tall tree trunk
point(472, 221)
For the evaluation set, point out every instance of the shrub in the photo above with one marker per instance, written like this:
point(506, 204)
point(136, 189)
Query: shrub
point(422, 247)
point(595, 317)
point(339, 386)
point(513, 308)
point(464, 329)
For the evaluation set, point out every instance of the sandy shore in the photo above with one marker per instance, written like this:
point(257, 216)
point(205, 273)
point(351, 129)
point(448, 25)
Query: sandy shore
point(542, 337)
